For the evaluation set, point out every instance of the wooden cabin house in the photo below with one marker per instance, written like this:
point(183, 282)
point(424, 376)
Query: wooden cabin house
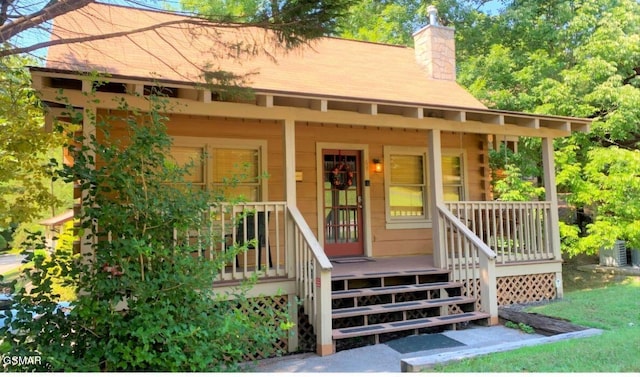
point(377, 215)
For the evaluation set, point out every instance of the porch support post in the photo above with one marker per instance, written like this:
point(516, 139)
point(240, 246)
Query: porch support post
point(324, 336)
point(551, 195)
point(89, 114)
point(289, 163)
point(489, 288)
point(437, 196)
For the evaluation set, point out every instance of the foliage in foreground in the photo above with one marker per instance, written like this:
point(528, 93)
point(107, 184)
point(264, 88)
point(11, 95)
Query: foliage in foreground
point(25, 174)
point(614, 308)
point(144, 300)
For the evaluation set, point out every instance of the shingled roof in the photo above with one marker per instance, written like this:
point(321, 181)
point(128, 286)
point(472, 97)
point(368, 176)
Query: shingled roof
point(182, 47)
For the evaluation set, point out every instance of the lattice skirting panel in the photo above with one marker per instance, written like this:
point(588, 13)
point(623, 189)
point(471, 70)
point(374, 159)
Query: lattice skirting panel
point(306, 333)
point(526, 288)
point(520, 289)
point(266, 306)
point(470, 288)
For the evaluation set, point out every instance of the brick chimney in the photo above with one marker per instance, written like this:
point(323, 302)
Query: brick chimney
point(435, 48)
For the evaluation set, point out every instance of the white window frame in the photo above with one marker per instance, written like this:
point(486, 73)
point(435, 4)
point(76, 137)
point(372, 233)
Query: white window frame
point(209, 144)
point(462, 154)
point(407, 222)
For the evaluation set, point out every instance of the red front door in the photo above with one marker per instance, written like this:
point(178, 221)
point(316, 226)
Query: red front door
point(342, 203)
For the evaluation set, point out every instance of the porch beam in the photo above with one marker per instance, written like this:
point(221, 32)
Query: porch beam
point(580, 127)
point(368, 108)
point(456, 116)
point(556, 124)
point(551, 195)
point(204, 95)
point(319, 105)
point(249, 111)
point(437, 195)
point(413, 112)
point(522, 121)
point(137, 89)
point(264, 100)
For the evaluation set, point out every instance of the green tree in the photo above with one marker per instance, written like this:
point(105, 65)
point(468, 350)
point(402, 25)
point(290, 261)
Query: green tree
point(25, 171)
point(574, 58)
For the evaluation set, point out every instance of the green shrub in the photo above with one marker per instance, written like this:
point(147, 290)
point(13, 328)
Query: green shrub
point(144, 302)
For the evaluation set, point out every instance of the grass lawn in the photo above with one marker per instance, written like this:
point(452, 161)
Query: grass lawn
point(607, 302)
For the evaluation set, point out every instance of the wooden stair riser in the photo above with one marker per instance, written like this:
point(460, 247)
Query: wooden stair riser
point(397, 294)
point(371, 306)
point(384, 280)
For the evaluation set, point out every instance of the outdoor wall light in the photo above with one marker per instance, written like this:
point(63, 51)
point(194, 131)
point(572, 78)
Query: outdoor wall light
point(377, 165)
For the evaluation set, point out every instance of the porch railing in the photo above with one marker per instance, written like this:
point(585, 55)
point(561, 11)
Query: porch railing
point(259, 226)
point(313, 279)
point(469, 259)
point(280, 244)
point(515, 231)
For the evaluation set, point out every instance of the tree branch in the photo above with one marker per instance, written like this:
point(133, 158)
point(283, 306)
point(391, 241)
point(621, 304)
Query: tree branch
point(89, 38)
point(51, 10)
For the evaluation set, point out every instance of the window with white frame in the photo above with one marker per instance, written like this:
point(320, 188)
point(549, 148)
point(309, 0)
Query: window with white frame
point(230, 167)
point(453, 176)
point(407, 184)
point(406, 187)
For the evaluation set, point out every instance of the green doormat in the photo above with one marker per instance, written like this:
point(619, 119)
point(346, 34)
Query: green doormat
point(422, 342)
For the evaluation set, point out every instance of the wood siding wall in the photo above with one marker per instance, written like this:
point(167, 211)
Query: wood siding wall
point(385, 242)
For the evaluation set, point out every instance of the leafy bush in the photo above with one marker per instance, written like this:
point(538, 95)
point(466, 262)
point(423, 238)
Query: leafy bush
point(144, 300)
point(513, 187)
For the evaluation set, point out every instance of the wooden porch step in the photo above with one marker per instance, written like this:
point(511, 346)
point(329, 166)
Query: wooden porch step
point(399, 306)
point(412, 324)
point(382, 274)
point(393, 289)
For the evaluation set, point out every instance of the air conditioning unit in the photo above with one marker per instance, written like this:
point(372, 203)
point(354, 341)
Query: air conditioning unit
point(615, 256)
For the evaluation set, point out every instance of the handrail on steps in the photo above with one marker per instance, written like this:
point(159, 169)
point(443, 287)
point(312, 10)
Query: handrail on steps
point(464, 269)
point(310, 238)
point(313, 280)
point(468, 234)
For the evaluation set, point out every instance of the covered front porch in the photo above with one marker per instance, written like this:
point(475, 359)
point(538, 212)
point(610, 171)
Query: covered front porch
point(496, 253)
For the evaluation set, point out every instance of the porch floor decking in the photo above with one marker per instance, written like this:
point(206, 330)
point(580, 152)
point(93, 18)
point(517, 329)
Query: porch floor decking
point(409, 265)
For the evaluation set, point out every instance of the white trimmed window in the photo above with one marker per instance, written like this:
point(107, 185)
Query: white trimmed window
point(231, 167)
point(407, 186)
point(453, 175)
point(407, 191)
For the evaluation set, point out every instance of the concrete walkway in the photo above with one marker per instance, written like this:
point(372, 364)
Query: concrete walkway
point(382, 358)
